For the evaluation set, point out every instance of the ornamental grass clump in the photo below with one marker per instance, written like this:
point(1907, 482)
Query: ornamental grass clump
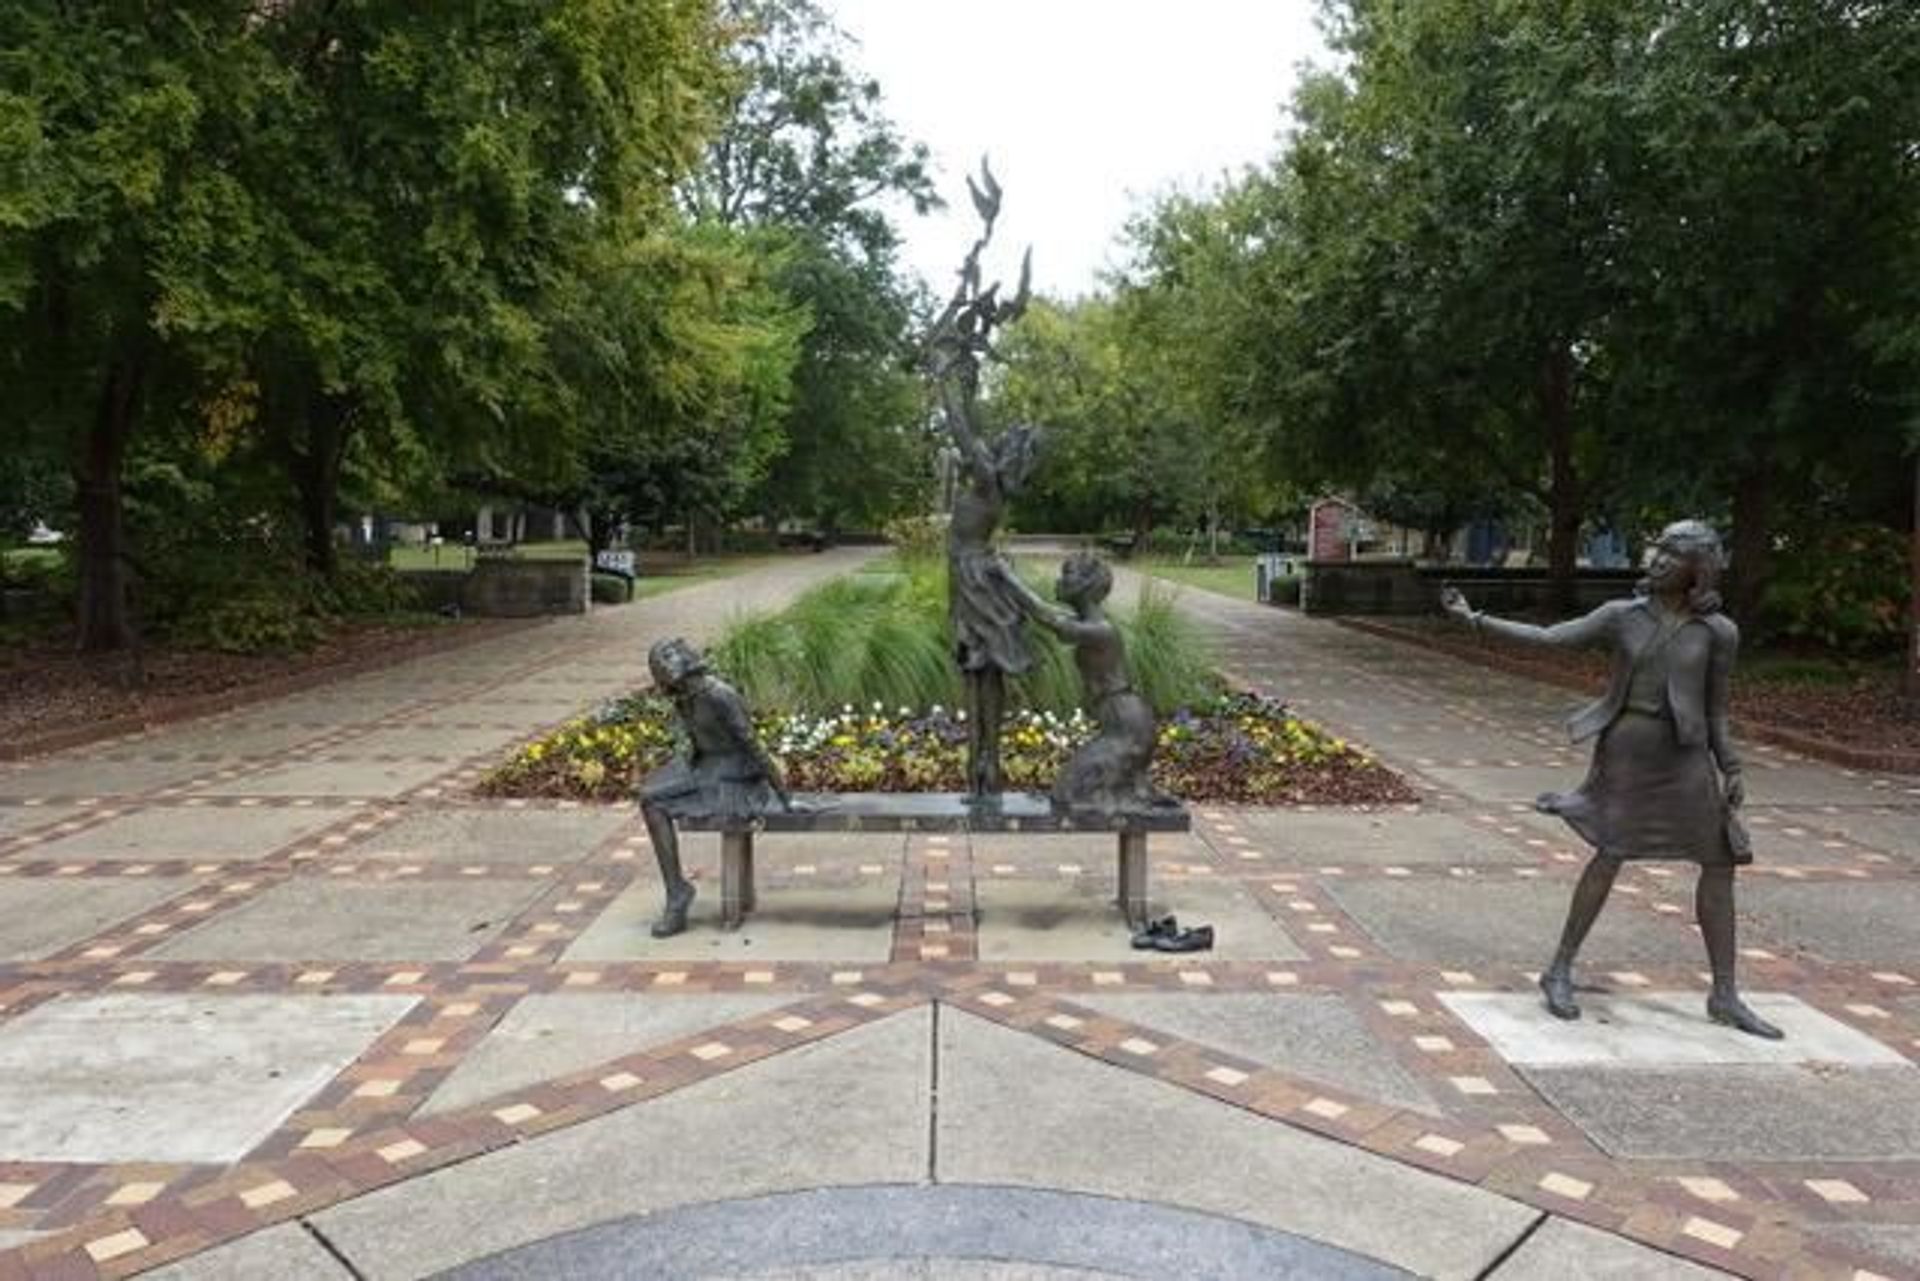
point(885, 638)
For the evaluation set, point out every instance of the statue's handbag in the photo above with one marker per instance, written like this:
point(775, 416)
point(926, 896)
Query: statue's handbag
point(1738, 841)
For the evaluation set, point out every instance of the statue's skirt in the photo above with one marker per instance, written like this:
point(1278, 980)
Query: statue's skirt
point(989, 628)
point(1648, 796)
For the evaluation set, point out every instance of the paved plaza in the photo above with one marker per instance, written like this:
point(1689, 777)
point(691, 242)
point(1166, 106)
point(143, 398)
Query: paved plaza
point(281, 998)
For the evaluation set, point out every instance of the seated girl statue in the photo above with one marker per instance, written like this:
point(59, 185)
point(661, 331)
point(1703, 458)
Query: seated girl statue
point(1111, 773)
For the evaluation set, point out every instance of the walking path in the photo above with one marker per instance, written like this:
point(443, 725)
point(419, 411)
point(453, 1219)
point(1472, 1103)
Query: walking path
point(280, 998)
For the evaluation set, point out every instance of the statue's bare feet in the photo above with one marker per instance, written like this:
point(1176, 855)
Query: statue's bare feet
point(1557, 987)
point(674, 918)
point(1736, 1013)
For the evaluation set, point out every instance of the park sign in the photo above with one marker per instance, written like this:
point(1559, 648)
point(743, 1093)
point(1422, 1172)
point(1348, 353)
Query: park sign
point(615, 562)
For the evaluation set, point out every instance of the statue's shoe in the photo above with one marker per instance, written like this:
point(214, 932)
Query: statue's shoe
point(1197, 939)
point(1151, 933)
point(674, 919)
point(1737, 1014)
point(1557, 987)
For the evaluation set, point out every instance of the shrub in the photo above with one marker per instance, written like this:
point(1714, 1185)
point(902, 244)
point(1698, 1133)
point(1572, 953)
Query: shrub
point(611, 589)
point(917, 537)
point(1848, 589)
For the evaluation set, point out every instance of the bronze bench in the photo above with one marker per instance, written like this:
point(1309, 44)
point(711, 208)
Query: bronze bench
point(931, 812)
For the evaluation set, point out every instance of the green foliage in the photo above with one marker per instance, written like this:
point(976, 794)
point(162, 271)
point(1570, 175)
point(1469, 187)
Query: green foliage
point(1847, 589)
point(868, 638)
point(611, 589)
point(917, 538)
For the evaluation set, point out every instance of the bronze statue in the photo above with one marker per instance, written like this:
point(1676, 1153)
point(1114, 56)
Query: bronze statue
point(988, 639)
point(1665, 782)
point(1111, 773)
point(723, 771)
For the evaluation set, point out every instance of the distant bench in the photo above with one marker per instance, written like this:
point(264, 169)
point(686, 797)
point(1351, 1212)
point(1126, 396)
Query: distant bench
point(1023, 812)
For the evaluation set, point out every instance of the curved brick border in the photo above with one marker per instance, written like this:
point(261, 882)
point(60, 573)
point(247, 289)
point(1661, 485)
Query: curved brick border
point(1860, 758)
point(426, 644)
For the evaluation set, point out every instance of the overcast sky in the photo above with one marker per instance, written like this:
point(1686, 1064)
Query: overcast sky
point(1086, 107)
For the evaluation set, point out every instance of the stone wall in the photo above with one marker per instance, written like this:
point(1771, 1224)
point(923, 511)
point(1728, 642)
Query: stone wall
point(1388, 587)
point(500, 588)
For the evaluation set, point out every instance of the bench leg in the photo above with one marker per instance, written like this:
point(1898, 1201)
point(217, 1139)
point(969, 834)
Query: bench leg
point(1133, 877)
point(736, 877)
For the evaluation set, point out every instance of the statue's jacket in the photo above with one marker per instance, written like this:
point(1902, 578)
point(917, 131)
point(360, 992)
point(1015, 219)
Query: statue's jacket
point(1697, 660)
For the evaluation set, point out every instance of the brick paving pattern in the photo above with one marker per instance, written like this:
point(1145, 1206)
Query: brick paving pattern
point(1351, 899)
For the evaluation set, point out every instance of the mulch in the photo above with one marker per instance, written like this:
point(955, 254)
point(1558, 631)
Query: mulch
point(1858, 723)
point(52, 699)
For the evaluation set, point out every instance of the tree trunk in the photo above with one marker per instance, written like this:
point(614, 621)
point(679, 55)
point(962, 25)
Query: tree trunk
point(1752, 543)
point(105, 624)
point(316, 474)
point(1563, 484)
point(1910, 680)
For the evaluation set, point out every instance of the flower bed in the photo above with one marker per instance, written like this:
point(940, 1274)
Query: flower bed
point(1234, 748)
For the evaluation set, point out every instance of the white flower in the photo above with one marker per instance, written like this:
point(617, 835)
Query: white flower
point(960, 715)
point(879, 707)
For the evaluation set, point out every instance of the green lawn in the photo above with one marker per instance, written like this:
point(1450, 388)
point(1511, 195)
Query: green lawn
point(19, 558)
point(1233, 576)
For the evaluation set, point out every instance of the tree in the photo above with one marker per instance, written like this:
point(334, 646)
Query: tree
point(808, 156)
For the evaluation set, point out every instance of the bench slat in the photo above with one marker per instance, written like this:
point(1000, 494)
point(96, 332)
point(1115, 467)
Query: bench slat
point(934, 812)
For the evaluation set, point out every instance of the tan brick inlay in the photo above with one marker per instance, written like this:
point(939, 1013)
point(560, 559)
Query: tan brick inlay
point(1064, 1022)
point(460, 1010)
point(313, 978)
point(225, 978)
point(1196, 978)
point(516, 1113)
point(711, 1050)
point(267, 1194)
point(425, 1045)
point(135, 1193)
point(1567, 1186)
point(793, 1023)
point(1327, 1108)
point(996, 998)
point(844, 978)
point(1709, 1189)
point(1400, 1009)
point(136, 978)
point(1837, 1191)
point(1438, 1144)
point(583, 978)
point(1135, 1045)
point(1108, 978)
point(867, 1000)
point(1712, 1233)
point(619, 1081)
point(1433, 1044)
point(1472, 1085)
point(1227, 1076)
point(377, 1089)
point(331, 1137)
point(12, 1194)
point(1282, 978)
point(757, 976)
point(395, 1153)
point(670, 978)
point(102, 1249)
point(1344, 953)
point(405, 978)
point(1022, 978)
point(1458, 977)
point(1526, 1135)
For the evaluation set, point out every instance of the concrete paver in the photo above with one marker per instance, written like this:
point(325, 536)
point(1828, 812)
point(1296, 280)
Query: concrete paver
point(1016, 1111)
point(171, 1078)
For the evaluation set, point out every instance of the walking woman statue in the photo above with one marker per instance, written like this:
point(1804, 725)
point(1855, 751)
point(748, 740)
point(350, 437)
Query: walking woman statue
point(1665, 782)
point(989, 639)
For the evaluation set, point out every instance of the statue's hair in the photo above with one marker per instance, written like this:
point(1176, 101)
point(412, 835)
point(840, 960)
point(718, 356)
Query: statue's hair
point(1700, 545)
point(1098, 574)
point(657, 654)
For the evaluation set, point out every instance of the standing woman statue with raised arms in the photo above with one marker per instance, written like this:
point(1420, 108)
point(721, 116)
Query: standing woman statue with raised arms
point(989, 638)
point(1665, 782)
